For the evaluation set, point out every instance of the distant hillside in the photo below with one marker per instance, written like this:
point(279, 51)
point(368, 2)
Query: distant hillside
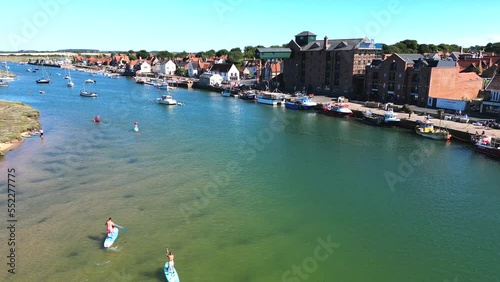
point(79, 50)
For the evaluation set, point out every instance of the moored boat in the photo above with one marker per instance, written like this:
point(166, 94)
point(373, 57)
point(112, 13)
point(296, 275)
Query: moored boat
point(373, 119)
point(427, 129)
point(337, 109)
point(85, 93)
point(225, 93)
point(271, 99)
point(249, 96)
point(391, 118)
point(489, 145)
point(301, 103)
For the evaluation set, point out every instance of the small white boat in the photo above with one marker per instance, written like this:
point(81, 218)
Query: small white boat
point(391, 118)
point(89, 81)
point(88, 94)
point(4, 84)
point(226, 93)
point(166, 100)
point(70, 83)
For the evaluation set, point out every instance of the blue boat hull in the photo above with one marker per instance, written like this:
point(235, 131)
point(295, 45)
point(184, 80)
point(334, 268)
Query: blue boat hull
point(295, 106)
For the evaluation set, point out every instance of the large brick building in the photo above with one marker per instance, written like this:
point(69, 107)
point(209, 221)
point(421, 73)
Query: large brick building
point(329, 67)
point(415, 79)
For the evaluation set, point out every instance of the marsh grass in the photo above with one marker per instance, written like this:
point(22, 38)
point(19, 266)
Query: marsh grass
point(16, 118)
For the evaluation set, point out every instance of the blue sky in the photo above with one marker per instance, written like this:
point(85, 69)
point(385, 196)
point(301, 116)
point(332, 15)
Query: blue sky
point(200, 25)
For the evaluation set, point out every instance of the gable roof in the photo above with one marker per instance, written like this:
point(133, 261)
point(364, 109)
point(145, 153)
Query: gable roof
point(221, 67)
point(335, 44)
point(494, 84)
point(410, 58)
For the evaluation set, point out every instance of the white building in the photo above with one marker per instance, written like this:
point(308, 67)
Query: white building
point(145, 68)
point(193, 69)
point(229, 72)
point(211, 79)
point(168, 67)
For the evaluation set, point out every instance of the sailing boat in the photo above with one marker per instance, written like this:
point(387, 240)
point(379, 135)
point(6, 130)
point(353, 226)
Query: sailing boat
point(45, 78)
point(5, 78)
point(86, 93)
point(70, 82)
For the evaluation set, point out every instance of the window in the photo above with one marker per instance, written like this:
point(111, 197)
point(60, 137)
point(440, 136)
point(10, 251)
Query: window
point(393, 67)
point(375, 75)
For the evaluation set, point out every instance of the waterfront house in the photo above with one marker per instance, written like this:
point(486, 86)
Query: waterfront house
point(229, 72)
point(330, 67)
point(167, 68)
point(250, 68)
point(491, 102)
point(415, 79)
point(211, 79)
point(193, 69)
point(145, 67)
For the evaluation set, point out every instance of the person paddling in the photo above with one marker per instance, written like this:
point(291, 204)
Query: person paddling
point(170, 262)
point(110, 225)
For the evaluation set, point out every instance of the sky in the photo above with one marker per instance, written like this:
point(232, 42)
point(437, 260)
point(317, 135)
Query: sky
point(201, 25)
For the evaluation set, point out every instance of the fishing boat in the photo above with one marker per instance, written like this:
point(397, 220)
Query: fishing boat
point(337, 109)
point(301, 103)
point(249, 96)
point(427, 129)
point(271, 99)
point(166, 100)
point(391, 118)
point(488, 145)
point(373, 119)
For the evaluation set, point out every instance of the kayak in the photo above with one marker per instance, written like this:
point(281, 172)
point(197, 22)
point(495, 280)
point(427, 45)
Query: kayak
point(172, 274)
point(111, 239)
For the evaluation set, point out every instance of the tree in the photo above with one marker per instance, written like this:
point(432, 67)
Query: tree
point(235, 56)
point(410, 44)
point(221, 52)
point(181, 71)
point(182, 54)
point(249, 52)
point(165, 54)
point(210, 53)
point(142, 54)
point(202, 55)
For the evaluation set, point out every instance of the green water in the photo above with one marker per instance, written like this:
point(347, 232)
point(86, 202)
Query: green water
point(240, 192)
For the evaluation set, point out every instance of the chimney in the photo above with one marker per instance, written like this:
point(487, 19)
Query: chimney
point(325, 42)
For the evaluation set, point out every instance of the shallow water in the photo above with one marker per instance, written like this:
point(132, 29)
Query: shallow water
point(240, 192)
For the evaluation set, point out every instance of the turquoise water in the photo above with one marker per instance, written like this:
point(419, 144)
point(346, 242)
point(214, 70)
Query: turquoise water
point(240, 192)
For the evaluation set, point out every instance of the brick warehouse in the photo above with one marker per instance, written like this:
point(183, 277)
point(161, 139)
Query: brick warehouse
point(328, 67)
point(417, 80)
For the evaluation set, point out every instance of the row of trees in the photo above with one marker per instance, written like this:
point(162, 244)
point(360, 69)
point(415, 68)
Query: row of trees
point(235, 55)
point(410, 46)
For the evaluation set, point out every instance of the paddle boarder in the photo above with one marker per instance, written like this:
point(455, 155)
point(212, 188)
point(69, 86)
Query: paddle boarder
point(170, 257)
point(41, 132)
point(110, 225)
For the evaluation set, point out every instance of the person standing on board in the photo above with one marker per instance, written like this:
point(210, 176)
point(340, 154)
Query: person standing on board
point(41, 132)
point(110, 225)
point(170, 257)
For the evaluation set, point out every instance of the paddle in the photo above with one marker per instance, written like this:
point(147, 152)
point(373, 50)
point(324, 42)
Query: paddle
point(124, 229)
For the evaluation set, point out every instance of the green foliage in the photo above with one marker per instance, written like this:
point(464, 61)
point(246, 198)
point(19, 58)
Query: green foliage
point(210, 53)
point(202, 55)
point(182, 54)
point(235, 57)
point(181, 71)
point(142, 54)
point(165, 54)
point(492, 47)
point(221, 52)
point(410, 46)
point(249, 52)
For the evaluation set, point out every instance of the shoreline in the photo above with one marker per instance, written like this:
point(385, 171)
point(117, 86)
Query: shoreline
point(17, 120)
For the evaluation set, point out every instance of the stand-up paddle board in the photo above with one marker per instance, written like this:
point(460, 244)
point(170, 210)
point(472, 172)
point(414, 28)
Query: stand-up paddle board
point(171, 274)
point(110, 238)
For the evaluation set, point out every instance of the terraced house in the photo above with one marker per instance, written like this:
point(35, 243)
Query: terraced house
point(419, 80)
point(333, 67)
